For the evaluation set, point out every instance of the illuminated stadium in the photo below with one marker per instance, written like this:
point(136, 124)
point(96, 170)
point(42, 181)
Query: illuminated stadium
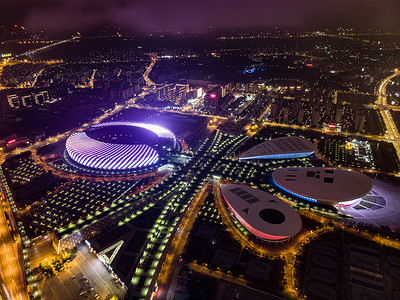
point(119, 146)
point(264, 215)
point(329, 186)
point(280, 148)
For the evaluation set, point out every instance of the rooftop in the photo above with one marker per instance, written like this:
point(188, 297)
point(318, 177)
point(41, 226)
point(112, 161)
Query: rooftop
point(324, 185)
point(283, 147)
point(263, 214)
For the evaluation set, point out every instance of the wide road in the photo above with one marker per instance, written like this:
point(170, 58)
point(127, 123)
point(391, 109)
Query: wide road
point(268, 124)
point(146, 74)
point(178, 242)
point(37, 50)
point(12, 279)
point(392, 132)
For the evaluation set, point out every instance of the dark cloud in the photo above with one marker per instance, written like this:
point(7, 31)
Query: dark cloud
point(187, 15)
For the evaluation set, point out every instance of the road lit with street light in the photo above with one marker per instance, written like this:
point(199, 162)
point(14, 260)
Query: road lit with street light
point(12, 278)
point(392, 132)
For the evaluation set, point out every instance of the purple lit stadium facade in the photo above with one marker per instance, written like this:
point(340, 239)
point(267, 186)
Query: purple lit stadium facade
point(114, 146)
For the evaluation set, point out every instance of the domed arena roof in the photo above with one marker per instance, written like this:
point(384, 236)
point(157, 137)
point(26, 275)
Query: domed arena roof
point(263, 214)
point(323, 185)
point(280, 148)
point(119, 145)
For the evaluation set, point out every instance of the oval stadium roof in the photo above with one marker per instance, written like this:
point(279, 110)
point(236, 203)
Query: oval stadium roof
point(323, 185)
point(283, 147)
point(263, 214)
point(105, 155)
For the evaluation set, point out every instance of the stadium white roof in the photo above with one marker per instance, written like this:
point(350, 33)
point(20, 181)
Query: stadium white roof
point(263, 214)
point(283, 147)
point(323, 185)
point(107, 156)
point(97, 154)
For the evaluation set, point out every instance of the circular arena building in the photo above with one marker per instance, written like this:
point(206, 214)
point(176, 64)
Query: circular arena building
point(329, 186)
point(264, 215)
point(122, 146)
point(280, 148)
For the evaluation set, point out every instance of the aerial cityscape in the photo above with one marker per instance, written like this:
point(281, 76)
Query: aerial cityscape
point(199, 150)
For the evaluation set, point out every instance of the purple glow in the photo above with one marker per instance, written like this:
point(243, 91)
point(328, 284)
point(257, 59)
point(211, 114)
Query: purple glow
point(109, 156)
point(160, 131)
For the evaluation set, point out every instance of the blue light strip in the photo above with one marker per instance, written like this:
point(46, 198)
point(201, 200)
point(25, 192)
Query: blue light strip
point(293, 194)
point(279, 156)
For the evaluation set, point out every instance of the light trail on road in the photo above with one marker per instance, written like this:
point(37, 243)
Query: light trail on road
point(12, 282)
point(392, 132)
point(178, 242)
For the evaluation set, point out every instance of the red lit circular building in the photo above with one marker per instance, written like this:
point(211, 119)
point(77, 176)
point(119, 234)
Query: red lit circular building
point(264, 215)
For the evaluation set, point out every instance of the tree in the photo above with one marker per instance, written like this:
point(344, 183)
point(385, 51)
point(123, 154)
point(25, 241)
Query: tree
point(65, 256)
point(46, 268)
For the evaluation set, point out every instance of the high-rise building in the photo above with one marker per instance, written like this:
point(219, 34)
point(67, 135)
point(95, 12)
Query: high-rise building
point(359, 121)
point(212, 101)
point(41, 97)
point(315, 116)
point(338, 115)
point(281, 101)
point(223, 91)
point(286, 112)
point(199, 92)
point(296, 105)
point(300, 117)
point(166, 93)
point(335, 100)
point(13, 101)
point(254, 88)
point(274, 109)
point(181, 91)
point(247, 88)
point(27, 100)
point(328, 108)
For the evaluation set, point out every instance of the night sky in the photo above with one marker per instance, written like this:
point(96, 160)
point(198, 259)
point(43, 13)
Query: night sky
point(187, 15)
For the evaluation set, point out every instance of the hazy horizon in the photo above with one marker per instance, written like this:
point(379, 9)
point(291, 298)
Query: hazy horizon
point(185, 16)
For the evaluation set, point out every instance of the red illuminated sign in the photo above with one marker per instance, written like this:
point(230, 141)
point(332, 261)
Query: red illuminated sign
point(213, 95)
point(11, 141)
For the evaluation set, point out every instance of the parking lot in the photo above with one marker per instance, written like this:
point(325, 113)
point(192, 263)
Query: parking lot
point(85, 277)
